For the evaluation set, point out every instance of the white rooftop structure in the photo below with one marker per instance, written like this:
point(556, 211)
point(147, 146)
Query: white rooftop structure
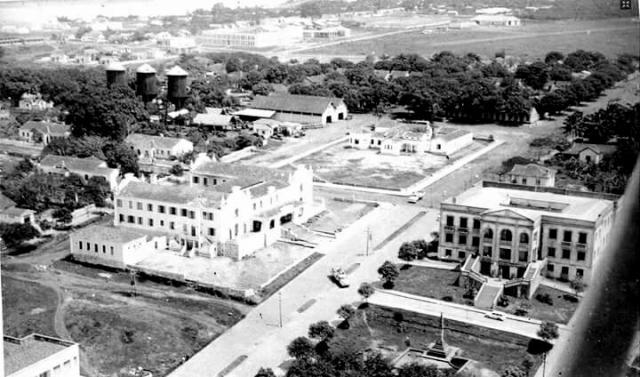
point(532, 204)
point(145, 68)
point(177, 71)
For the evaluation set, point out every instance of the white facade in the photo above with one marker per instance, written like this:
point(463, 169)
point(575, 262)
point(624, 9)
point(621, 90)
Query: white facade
point(531, 175)
point(55, 357)
point(410, 138)
point(84, 167)
point(327, 33)
point(226, 209)
point(509, 229)
point(249, 38)
point(111, 246)
point(149, 147)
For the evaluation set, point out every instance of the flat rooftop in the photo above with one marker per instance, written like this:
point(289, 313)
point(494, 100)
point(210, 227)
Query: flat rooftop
point(20, 353)
point(532, 204)
point(109, 233)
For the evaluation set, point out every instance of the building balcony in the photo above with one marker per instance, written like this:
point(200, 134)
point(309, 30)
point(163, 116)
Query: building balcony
point(581, 246)
point(449, 228)
point(463, 231)
point(566, 244)
point(505, 243)
point(475, 231)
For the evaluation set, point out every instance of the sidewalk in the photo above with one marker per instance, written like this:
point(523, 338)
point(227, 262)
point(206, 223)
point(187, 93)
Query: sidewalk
point(259, 336)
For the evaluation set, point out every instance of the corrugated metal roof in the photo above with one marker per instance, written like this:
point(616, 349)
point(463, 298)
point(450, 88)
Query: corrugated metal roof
point(295, 103)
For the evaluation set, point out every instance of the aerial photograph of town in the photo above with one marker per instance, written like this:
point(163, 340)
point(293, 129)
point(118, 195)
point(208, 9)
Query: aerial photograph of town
point(320, 188)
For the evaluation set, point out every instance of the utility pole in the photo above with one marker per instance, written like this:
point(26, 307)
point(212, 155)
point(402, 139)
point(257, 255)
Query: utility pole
point(280, 307)
point(544, 363)
point(368, 237)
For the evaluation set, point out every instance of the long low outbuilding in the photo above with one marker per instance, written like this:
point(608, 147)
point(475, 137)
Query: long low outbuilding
point(311, 110)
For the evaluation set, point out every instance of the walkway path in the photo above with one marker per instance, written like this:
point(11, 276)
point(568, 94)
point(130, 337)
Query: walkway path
point(259, 336)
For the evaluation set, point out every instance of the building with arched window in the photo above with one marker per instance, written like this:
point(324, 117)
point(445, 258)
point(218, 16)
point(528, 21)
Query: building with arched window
point(498, 231)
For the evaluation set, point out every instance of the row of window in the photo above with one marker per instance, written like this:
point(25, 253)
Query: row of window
point(564, 271)
point(174, 211)
point(60, 368)
point(96, 248)
point(463, 222)
point(566, 254)
point(567, 236)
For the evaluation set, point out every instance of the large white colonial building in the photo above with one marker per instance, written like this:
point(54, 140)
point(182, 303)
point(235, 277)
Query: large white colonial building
point(223, 210)
point(518, 234)
point(391, 138)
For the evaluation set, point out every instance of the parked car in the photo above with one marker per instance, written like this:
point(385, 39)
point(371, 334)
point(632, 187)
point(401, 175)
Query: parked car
point(340, 277)
point(498, 316)
point(416, 196)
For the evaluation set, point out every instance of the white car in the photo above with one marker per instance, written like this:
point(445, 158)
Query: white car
point(416, 196)
point(498, 316)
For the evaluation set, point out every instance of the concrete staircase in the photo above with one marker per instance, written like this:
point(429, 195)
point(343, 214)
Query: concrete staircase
point(488, 295)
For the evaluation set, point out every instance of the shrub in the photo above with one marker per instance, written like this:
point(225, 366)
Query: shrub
point(503, 301)
point(408, 252)
point(447, 298)
point(521, 312)
point(545, 298)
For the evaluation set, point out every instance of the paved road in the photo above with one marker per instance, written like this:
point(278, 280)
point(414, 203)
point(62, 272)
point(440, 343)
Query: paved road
point(260, 338)
point(513, 324)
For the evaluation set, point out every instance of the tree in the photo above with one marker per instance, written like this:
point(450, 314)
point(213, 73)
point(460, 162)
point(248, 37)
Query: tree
point(122, 156)
point(63, 215)
point(389, 273)
point(577, 285)
point(105, 112)
point(265, 372)
point(321, 330)
point(548, 331)
point(366, 290)
point(514, 371)
point(534, 75)
point(408, 251)
point(176, 170)
point(415, 369)
point(14, 234)
point(301, 347)
point(346, 312)
point(552, 103)
point(262, 88)
point(553, 57)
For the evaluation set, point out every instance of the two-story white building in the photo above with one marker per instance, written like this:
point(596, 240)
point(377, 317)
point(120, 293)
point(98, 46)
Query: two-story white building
point(149, 148)
point(224, 210)
point(86, 168)
point(519, 234)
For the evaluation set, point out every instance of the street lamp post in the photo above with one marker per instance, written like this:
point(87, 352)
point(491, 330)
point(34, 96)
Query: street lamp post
point(280, 307)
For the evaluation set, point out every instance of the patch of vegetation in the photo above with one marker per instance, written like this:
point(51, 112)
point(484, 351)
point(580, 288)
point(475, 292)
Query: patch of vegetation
point(27, 308)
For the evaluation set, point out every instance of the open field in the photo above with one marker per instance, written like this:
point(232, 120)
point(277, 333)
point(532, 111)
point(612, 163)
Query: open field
point(341, 164)
point(28, 307)
point(534, 40)
point(387, 330)
point(116, 330)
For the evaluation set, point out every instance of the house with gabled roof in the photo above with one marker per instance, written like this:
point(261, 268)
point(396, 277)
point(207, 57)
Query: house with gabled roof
point(86, 168)
point(531, 175)
point(589, 153)
point(9, 213)
point(43, 131)
point(312, 110)
point(150, 147)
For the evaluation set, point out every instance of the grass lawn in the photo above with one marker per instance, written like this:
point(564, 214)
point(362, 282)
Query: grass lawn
point(560, 312)
point(379, 328)
point(27, 308)
point(610, 37)
point(429, 282)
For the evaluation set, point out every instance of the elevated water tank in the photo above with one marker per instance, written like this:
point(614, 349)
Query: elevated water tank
point(116, 74)
point(177, 86)
point(146, 82)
